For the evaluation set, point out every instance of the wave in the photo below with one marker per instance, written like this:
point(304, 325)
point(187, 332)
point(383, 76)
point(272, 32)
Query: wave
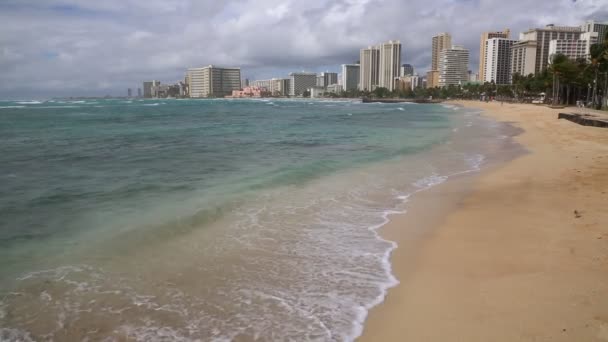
point(11, 107)
point(28, 102)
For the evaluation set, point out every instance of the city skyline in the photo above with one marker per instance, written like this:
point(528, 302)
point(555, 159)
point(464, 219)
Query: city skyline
point(124, 49)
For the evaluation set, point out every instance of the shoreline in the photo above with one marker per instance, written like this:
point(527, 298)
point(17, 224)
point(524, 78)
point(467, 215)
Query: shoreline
point(468, 274)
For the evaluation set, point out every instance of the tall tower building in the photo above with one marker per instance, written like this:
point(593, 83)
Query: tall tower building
point(138, 92)
point(350, 76)
point(212, 81)
point(369, 68)
point(453, 66)
point(390, 62)
point(498, 60)
point(482, 48)
point(441, 42)
point(129, 92)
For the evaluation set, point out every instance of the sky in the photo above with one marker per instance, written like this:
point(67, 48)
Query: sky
point(93, 48)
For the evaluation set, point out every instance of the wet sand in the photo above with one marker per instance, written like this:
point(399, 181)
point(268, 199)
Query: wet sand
point(519, 253)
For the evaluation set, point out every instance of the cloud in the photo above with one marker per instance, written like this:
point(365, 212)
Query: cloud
point(79, 47)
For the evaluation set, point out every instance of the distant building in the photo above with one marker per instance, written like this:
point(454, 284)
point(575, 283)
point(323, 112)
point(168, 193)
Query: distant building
point(129, 93)
point(573, 49)
point(327, 78)
point(148, 88)
point(390, 62)
point(212, 81)
point(299, 82)
point(406, 70)
point(593, 26)
point(275, 86)
point(138, 92)
point(543, 37)
point(482, 48)
point(474, 77)
point(453, 66)
point(244, 83)
point(523, 58)
point(249, 92)
point(350, 76)
point(432, 79)
point(369, 68)
point(498, 60)
point(440, 42)
point(334, 88)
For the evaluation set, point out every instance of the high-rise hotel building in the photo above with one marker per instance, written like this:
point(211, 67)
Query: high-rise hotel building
point(497, 60)
point(453, 66)
point(441, 42)
point(299, 82)
point(482, 49)
point(543, 37)
point(380, 66)
point(369, 68)
point(390, 64)
point(350, 76)
point(212, 81)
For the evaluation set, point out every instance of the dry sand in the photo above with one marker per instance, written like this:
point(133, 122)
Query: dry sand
point(523, 256)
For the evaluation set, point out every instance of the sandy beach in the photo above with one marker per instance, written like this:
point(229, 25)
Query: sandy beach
point(519, 254)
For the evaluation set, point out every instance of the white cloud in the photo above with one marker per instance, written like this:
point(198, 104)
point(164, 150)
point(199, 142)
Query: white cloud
point(86, 47)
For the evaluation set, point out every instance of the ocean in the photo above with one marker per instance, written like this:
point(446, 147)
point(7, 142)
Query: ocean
point(213, 220)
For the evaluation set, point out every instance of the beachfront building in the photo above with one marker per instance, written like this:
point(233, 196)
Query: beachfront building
point(482, 48)
point(440, 42)
point(249, 92)
point(350, 76)
point(275, 86)
point(369, 68)
point(406, 70)
point(543, 38)
point(432, 79)
point(334, 88)
point(390, 63)
point(523, 58)
point(498, 60)
point(148, 88)
point(138, 92)
point(212, 81)
point(573, 49)
point(453, 66)
point(593, 26)
point(299, 82)
point(327, 78)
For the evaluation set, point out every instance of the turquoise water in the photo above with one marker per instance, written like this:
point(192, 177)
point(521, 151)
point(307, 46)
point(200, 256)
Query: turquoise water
point(182, 211)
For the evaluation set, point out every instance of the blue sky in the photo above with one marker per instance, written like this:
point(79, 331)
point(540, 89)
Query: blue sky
point(77, 47)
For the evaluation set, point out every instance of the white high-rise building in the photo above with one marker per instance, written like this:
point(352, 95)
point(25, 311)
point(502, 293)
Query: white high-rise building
point(390, 63)
point(350, 76)
point(441, 42)
point(212, 81)
point(299, 82)
point(369, 68)
point(498, 60)
point(543, 37)
point(573, 49)
point(453, 66)
point(523, 58)
point(594, 26)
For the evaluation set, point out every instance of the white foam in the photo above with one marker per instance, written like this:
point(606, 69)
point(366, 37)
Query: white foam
point(28, 102)
point(8, 107)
